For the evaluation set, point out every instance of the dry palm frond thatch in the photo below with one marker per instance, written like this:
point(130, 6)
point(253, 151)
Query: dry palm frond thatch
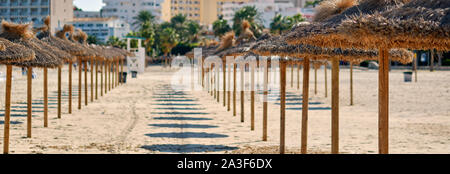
point(12, 52)
point(23, 35)
point(329, 8)
point(416, 25)
point(324, 34)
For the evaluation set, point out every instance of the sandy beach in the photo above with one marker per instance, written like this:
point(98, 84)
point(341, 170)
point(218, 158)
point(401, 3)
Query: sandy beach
point(146, 116)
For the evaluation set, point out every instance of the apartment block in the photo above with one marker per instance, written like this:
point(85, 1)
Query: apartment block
point(127, 10)
point(203, 11)
point(25, 11)
point(102, 28)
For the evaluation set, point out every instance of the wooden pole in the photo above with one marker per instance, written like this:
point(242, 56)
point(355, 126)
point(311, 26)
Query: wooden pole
point(45, 98)
point(59, 91)
point(315, 79)
point(109, 76)
point(7, 109)
point(203, 74)
point(92, 80)
point(229, 88)
point(101, 77)
point(217, 83)
point(305, 101)
point(351, 84)
point(298, 76)
point(29, 101)
point(113, 70)
point(265, 81)
point(252, 98)
point(224, 67)
point(79, 82)
point(415, 67)
point(117, 72)
point(85, 84)
point(282, 105)
point(292, 75)
point(121, 69)
point(242, 69)
point(70, 87)
point(106, 76)
point(234, 89)
point(96, 80)
point(326, 80)
point(383, 107)
point(432, 60)
point(335, 106)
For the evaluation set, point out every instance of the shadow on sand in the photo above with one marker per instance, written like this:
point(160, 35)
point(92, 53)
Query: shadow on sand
point(186, 135)
point(200, 126)
point(187, 148)
point(182, 118)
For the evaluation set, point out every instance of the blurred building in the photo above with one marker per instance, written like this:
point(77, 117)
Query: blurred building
point(127, 10)
point(204, 12)
point(87, 14)
point(103, 28)
point(267, 9)
point(23, 11)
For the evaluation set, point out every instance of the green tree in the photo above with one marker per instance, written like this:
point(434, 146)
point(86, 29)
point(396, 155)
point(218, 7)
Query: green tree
point(312, 3)
point(92, 39)
point(143, 17)
point(281, 23)
point(220, 27)
point(251, 14)
point(116, 42)
point(169, 39)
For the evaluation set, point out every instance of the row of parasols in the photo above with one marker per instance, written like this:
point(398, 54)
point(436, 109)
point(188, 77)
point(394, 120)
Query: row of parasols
point(24, 46)
point(343, 30)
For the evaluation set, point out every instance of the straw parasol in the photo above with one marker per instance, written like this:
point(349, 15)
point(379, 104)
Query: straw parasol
point(22, 34)
point(11, 52)
point(325, 33)
point(277, 46)
point(416, 25)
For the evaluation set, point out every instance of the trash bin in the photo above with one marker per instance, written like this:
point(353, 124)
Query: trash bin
point(134, 74)
point(123, 77)
point(408, 76)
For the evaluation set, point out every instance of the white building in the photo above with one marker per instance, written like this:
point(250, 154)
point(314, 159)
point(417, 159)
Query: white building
point(87, 14)
point(23, 11)
point(102, 28)
point(128, 9)
point(267, 8)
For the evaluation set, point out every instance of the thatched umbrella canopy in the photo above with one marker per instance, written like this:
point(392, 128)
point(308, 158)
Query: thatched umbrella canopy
point(277, 46)
point(22, 34)
point(416, 25)
point(12, 52)
point(325, 33)
point(44, 57)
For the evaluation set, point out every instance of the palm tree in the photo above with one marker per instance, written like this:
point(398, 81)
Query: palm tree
point(251, 14)
point(116, 42)
point(169, 39)
point(281, 23)
point(220, 27)
point(147, 31)
point(143, 17)
point(92, 39)
point(297, 18)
